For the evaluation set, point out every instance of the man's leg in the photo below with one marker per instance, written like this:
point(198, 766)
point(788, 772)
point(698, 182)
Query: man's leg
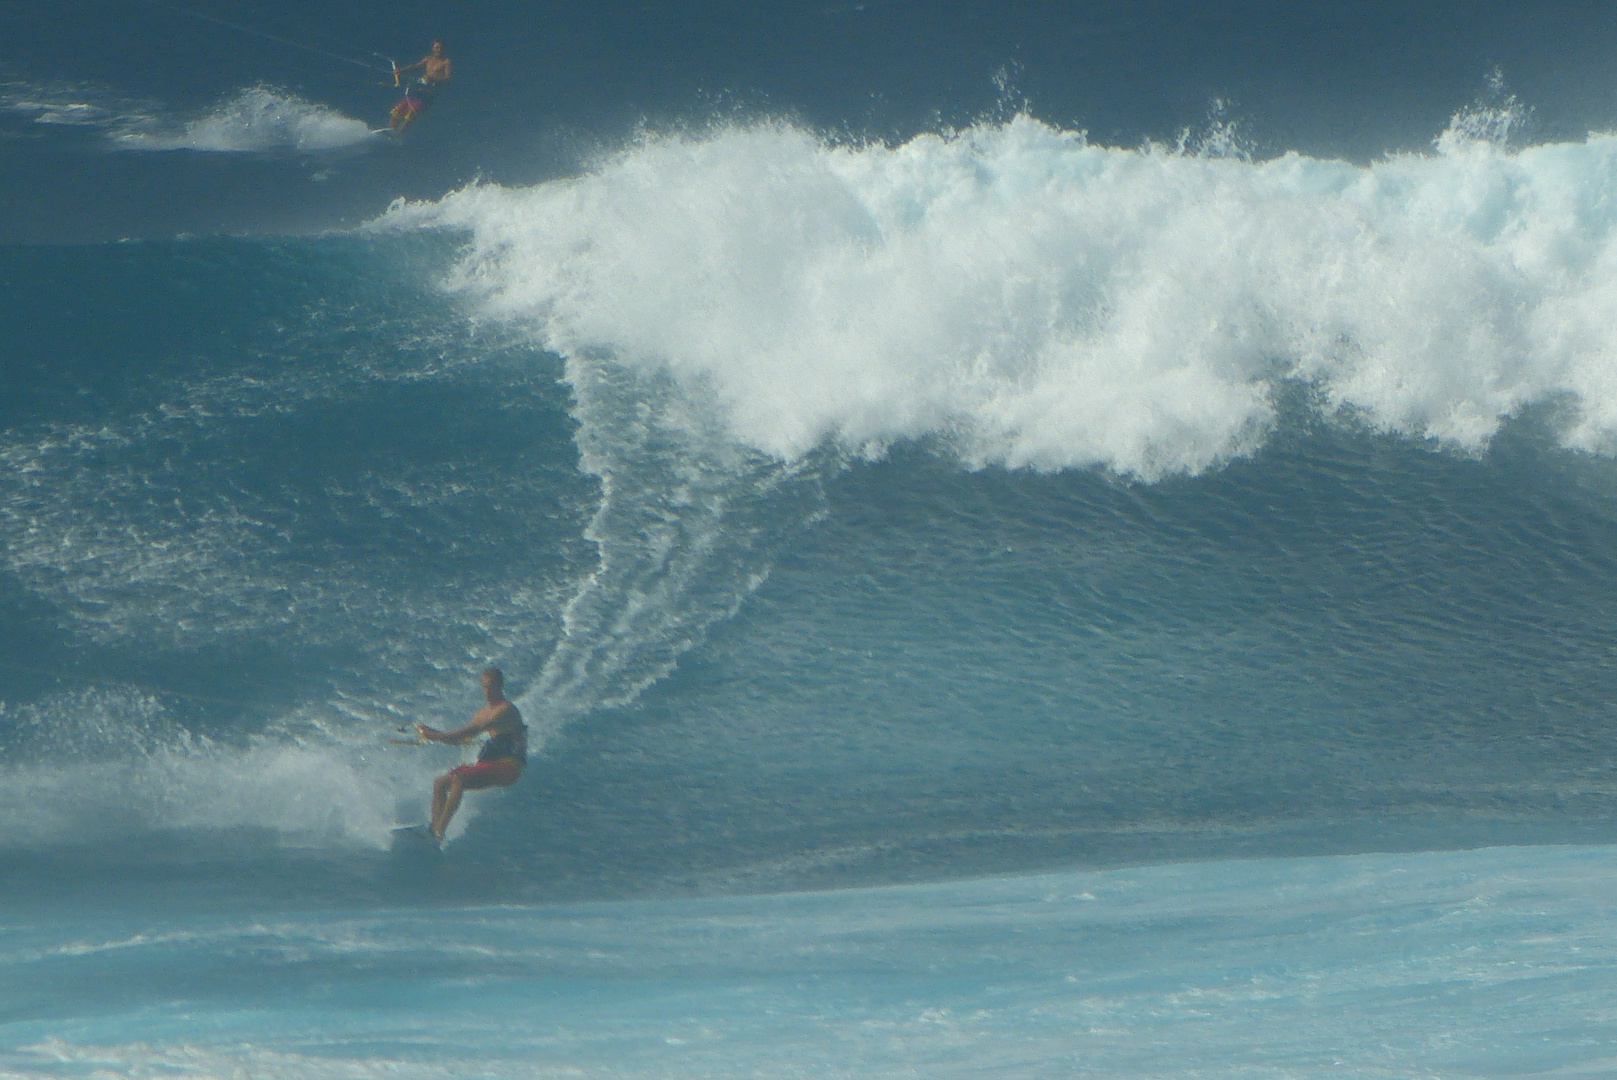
point(445, 801)
point(447, 791)
point(440, 822)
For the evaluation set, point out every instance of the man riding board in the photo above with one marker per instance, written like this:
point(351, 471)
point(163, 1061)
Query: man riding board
point(499, 762)
point(436, 71)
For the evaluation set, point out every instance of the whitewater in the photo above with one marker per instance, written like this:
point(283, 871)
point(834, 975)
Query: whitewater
point(988, 601)
point(1052, 304)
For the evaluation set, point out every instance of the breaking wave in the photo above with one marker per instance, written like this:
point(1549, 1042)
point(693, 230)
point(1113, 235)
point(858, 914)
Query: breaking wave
point(1032, 299)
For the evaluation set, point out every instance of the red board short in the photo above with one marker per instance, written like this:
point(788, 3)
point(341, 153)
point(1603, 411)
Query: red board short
point(496, 772)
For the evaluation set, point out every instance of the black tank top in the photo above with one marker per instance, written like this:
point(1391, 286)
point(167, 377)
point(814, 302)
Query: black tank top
point(507, 744)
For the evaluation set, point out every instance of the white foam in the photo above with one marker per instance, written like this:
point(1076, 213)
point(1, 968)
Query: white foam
point(1040, 301)
point(256, 120)
point(75, 105)
point(58, 1057)
point(109, 762)
point(260, 119)
point(684, 531)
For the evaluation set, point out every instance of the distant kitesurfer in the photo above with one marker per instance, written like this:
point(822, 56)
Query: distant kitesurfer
point(499, 762)
point(436, 70)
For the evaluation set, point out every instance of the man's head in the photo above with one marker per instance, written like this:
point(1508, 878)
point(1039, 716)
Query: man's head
point(493, 683)
point(437, 48)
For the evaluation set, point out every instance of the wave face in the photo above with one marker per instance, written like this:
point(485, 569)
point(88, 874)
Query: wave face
point(226, 535)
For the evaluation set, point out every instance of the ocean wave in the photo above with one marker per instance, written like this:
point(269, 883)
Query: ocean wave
point(1034, 300)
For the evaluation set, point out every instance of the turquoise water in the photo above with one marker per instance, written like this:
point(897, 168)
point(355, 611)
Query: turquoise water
point(1487, 963)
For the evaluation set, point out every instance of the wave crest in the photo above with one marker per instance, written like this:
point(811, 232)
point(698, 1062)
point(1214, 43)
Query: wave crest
point(1040, 301)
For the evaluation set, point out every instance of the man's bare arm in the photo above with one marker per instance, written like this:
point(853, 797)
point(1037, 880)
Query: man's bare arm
point(459, 736)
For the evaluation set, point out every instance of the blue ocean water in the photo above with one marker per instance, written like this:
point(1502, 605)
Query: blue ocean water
point(1031, 541)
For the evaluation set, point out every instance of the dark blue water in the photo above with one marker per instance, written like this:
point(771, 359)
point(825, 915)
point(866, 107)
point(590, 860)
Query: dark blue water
point(953, 489)
point(539, 88)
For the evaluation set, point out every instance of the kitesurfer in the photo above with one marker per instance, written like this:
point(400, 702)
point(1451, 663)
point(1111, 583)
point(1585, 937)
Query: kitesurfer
point(436, 70)
point(499, 762)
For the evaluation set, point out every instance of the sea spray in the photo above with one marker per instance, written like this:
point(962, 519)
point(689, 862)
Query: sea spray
point(1037, 300)
point(259, 119)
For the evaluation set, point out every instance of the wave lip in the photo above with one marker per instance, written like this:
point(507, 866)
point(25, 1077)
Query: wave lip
point(1038, 301)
